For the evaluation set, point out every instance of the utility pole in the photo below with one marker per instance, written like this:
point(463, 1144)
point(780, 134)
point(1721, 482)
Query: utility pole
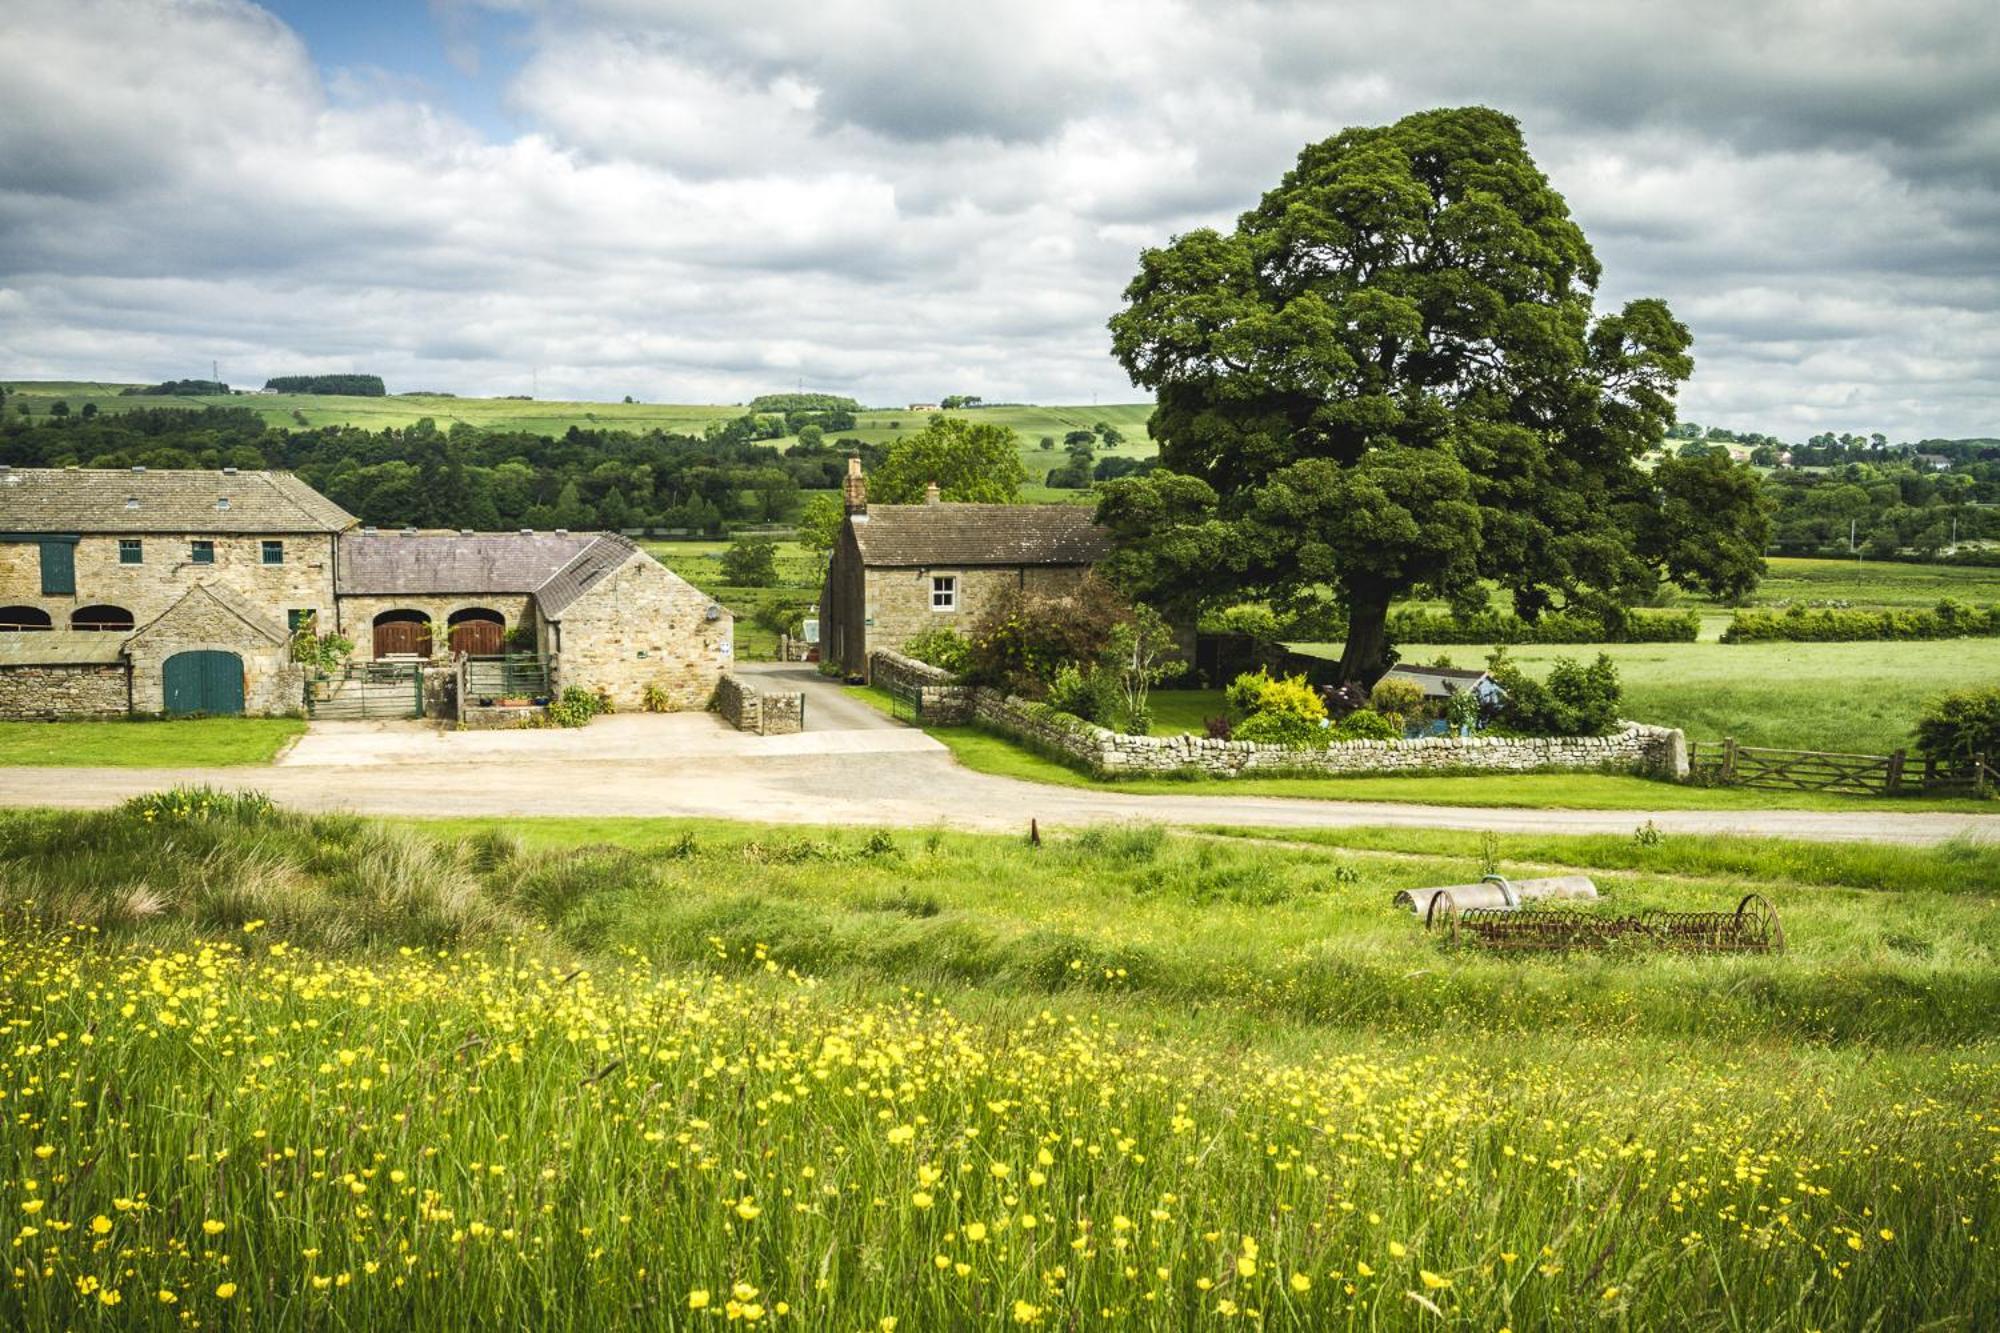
point(215, 371)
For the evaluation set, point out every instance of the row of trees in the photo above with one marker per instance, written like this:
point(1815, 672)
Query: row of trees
point(465, 477)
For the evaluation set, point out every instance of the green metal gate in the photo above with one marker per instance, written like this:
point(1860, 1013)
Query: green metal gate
point(204, 681)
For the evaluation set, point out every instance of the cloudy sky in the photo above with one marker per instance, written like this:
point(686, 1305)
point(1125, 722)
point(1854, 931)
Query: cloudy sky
point(699, 200)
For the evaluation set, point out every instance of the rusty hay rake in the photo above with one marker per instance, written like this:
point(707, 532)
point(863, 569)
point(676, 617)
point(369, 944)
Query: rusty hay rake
point(1752, 928)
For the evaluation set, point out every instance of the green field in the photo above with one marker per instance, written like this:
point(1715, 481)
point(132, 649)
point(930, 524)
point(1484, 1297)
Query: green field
point(277, 1071)
point(700, 563)
point(1858, 698)
point(551, 417)
point(210, 742)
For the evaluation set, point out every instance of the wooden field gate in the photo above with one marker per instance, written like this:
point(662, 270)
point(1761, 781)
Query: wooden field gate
point(1726, 763)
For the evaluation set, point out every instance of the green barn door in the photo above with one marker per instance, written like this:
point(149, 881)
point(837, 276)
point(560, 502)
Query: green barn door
point(204, 682)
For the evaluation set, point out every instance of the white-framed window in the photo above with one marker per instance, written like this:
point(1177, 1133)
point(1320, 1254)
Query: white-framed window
point(944, 592)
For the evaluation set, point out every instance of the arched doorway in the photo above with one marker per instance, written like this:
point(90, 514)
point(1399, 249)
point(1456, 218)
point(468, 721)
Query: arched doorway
point(24, 618)
point(478, 632)
point(403, 634)
point(203, 681)
point(101, 618)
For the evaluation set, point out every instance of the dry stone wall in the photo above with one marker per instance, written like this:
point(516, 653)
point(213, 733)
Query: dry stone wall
point(939, 696)
point(1636, 748)
point(40, 693)
point(746, 706)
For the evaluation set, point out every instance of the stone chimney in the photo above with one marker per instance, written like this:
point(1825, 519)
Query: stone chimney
point(931, 495)
point(855, 489)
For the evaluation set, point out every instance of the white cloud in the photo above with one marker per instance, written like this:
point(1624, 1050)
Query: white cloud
point(899, 199)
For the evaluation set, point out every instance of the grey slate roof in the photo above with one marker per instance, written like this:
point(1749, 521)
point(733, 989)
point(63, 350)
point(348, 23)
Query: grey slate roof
point(94, 500)
point(976, 534)
point(61, 648)
point(389, 563)
point(604, 554)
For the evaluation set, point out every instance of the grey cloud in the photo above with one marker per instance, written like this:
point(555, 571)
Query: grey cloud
point(900, 199)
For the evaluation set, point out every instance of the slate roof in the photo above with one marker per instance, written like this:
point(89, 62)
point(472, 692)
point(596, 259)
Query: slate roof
point(93, 500)
point(1439, 682)
point(61, 648)
point(977, 534)
point(605, 553)
point(392, 564)
point(252, 616)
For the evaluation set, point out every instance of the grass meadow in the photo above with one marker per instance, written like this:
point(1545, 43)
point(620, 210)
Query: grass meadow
point(1853, 697)
point(700, 563)
point(212, 742)
point(280, 1071)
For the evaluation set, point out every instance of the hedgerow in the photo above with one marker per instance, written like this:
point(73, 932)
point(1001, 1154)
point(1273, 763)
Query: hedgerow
point(1949, 619)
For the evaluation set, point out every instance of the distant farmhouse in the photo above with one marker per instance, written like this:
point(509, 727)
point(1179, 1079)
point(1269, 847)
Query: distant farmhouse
point(148, 592)
point(898, 570)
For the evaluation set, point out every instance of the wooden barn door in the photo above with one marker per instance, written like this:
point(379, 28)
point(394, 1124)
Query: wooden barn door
point(479, 638)
point(204, 682)
point(402, 638)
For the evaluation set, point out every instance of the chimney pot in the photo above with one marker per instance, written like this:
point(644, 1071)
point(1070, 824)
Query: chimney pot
point(855, 489)
point(931, 494)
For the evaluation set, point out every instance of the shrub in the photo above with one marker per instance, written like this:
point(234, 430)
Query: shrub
point(1027, 637)
point(1365, 724)
point(1259, 691)
point(942, 647)
point(1281, 728)
point(200, 805)
point(577, 706)
point(1084, 692)
point(1394, 696)
point(654, 699)
point(1550, 627)
point(751, 562)
point(1577, 700)
point(1963, 725)
point(1949, 619)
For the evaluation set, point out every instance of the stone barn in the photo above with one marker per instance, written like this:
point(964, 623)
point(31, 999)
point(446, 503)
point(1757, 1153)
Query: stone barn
point(898, 570)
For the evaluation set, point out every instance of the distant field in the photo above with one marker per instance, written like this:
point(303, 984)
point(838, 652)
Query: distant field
point(1858, 697)
point(700, 563)
point(553, 417)
point(1874, 583)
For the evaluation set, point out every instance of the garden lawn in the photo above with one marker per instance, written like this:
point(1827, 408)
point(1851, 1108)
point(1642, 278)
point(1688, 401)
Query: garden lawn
point(208, 742)
point(286, 1071)
point(1857, 698)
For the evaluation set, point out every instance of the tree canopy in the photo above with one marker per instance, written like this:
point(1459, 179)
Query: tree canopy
point(1390, 380)
point(971, 461)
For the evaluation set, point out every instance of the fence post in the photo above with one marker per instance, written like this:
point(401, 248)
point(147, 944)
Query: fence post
point(1893, 782)
point(1729, 759)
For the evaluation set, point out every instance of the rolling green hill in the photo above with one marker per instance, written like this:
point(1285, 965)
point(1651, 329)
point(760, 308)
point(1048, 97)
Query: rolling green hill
point(553, 417)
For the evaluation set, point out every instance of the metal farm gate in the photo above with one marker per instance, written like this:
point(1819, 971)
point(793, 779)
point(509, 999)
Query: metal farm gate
point(368, 690)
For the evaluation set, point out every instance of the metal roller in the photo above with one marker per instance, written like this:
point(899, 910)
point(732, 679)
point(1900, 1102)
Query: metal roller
point(1500, 893)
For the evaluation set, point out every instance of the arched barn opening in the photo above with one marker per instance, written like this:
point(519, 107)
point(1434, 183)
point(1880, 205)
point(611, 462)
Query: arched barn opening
point(403, 634)
point(24, 617)
point(478, 632)
point(101, 618)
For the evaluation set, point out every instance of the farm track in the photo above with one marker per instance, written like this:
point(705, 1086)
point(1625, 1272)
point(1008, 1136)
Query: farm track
point(908, 789)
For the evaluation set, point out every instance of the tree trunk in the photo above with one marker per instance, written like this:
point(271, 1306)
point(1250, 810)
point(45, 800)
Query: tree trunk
point(1366, 654)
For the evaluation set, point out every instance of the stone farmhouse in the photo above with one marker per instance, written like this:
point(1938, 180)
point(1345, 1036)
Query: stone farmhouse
point(898, 570)
point(146, 592)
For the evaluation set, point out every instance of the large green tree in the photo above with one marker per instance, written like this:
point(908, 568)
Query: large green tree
point(972, 461)
point(1389, 380)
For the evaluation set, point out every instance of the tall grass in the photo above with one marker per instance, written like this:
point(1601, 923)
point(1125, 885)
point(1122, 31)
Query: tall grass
point(283, 1071)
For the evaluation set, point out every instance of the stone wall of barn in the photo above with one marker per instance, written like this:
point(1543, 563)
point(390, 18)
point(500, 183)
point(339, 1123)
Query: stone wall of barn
point(356, 615)
point(645, 625)
point(897, 602)
point(165, 573)
point(273, 684)
point(41, 693)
